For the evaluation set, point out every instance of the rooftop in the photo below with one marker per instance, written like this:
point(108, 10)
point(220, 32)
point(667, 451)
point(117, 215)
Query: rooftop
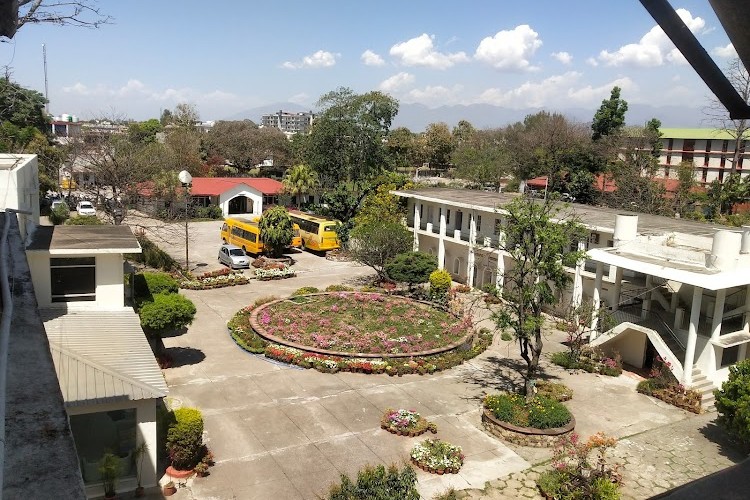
point(10, 161)
point(214, 186)
point(84, 240)
point(695, 133)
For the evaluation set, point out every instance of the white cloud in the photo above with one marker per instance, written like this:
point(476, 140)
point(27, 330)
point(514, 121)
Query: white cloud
point(319, 59)
point(370, 58)
point(563, 57)
point(300, 98)
point(531, 94)
point(396, 82)
point(654, 48)
point(725, 52)
point(510, 49)
point(435, 95)
point(592, 62)
point(420, 51)
point(589, 95)
point(77, 88)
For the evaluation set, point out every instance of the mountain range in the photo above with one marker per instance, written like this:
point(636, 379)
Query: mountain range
point(416, 117)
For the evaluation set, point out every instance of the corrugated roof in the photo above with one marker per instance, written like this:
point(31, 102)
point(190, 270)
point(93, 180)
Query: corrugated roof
point(214, 186)
point(102, 356)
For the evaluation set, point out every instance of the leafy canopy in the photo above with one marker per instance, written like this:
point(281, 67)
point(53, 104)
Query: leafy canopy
point(610, 117)
point(276, 230)
point(411, 267)
point(375, 243)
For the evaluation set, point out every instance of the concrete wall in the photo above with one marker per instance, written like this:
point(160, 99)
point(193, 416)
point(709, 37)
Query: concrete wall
point(631, 347)
point(145, 431)
point(19, 188)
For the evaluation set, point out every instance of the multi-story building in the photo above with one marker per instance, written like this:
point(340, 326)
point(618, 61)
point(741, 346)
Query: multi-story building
point(711, 152)
point(289, 123)
point(674, 287)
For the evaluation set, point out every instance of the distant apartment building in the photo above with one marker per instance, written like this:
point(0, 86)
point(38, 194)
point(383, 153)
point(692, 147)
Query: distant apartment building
point(711, 152)
point(289, 123)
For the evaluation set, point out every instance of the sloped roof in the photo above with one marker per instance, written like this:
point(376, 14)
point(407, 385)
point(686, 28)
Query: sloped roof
point(102, 356)
point(214, 186)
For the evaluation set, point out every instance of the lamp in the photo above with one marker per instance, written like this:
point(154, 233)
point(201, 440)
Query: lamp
point(186, 179)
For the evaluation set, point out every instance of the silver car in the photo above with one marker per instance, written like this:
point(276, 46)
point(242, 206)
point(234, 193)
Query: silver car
point(233, 256)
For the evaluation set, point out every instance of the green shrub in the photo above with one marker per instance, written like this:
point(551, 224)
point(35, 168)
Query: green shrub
point(167, 311)
point(563, 359)
point(449, 494)
point(733, 402)
point(411, 267)
point(339, 288)
point(505, 336)
point(440, 283)
point(153, 256)
point(539, 413)
point(210, 212)
point(553, 390)
point(59, 214)
point(378, 483)
point(84, 220)
point(305, 290)
point(148, 284)
point(185, 438)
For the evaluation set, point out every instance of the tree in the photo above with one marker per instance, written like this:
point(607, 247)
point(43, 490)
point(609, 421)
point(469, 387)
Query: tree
point(733, 402)
point(375, 243)
point(610, 117)
point(299, 181)
point(437, 145)
point(81, 13)
point(166, 117)
point(21, 106)
point(185, 115)
point(276, 230)
point(462, 132)
point(379, 204)
point(716, 113)
point(245, 145)
point(538, 237)
point(686, 182)
point(401, 148)
point(481, 157)
point(347, 140)
point(145, 132)
point(412, 267)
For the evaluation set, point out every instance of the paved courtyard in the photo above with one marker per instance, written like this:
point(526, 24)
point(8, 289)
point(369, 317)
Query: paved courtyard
point(288, 433)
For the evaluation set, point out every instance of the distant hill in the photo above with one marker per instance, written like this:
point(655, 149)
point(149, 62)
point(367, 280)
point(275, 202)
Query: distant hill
point(416, 117)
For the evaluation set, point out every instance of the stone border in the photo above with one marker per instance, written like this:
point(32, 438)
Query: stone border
point(465, 342)
point(525, 436)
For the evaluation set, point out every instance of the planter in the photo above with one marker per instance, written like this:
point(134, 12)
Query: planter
point(525, 436)
point(178, 473)
point(169, 489)
point(140, 491)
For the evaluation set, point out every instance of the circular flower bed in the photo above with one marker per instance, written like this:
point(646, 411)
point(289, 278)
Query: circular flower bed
point(406, 423)
point(536, 422)
point(436, 456)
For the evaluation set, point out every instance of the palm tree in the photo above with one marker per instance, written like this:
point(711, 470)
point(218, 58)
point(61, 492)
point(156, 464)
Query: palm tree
point(300, 180)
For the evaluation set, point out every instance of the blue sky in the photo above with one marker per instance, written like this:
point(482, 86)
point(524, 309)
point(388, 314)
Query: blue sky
point(236, 55)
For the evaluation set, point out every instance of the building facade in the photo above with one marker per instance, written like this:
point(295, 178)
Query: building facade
point(289, 123)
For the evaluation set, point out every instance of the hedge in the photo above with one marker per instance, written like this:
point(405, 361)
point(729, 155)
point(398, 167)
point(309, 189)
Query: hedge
point(167, 311)
point(185, 438)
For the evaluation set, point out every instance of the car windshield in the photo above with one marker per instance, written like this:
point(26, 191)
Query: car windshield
point(86, 204)
point(237, 251)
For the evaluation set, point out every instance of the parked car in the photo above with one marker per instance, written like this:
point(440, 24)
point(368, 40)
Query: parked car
point(233, 256)
point(85, 208)
point(56, 203)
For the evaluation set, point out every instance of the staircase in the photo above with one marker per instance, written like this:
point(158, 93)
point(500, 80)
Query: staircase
point(705, 388)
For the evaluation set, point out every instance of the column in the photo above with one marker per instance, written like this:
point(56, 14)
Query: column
point(577, 296)
point(500, 275)
point(471, 258)
point(596, 300)
point(721, 295)
point(674, 301)
point(646, 306)
point(417, 223)
point(695, 314)
point(441, 240)
point(747, 310)
point(617, 290)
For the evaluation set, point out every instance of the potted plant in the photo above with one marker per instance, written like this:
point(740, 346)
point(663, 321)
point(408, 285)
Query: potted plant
point(109, 469)
point(169, 489)
point(138, 454)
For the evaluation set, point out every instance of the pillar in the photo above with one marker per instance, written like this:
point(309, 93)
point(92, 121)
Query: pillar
point(441, 240)
point(471, 257)
point(646, 307)
point(578, 279)
point(674, 301)
point(617, 290)
point(718, 313)
point(747, 310)
point(500, 275)
point(695, 314)
point(417, 223)
point(596, 300)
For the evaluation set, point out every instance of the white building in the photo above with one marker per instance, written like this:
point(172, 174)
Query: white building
point(19, 189)
point(678, 288)
point(289, 123)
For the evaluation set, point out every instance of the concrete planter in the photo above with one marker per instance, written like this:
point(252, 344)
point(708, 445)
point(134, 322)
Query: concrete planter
point(525, 436)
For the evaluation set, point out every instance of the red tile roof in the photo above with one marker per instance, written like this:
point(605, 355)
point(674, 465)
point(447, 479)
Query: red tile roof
point(214, 186)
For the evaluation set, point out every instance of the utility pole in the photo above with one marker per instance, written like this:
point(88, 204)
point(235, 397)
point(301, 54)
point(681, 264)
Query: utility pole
point(46, 87)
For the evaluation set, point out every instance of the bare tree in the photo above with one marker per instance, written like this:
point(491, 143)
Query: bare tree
point(717, 114)
point(14, 14)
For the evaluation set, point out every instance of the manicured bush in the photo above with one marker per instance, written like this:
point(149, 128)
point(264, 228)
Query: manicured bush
point(733, 402)
point(148, 284)
point(539, 413)
point(210, 212)
point(59, 214)
point(305, 290)
point(185, 438)
point(378, 483)
point(553, 390)
point(339, 288)
point(167, 311)
point(411, 267)
point(153, 256)
point(440, 283)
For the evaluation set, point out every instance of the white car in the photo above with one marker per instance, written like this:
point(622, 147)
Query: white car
point(233, 256)
point(85, 208)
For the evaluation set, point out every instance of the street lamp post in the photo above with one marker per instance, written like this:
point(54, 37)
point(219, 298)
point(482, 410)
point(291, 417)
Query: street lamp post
point(186, 179)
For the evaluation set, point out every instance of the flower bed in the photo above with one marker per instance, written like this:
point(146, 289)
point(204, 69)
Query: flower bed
point(538, 422)
point(406, 422)
point(590, 360)
point(438, 457)
point(275, 274)
point(215, 279)
point(662, 384)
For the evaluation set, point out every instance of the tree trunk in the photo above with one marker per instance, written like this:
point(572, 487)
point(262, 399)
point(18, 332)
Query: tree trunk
point(533, 363)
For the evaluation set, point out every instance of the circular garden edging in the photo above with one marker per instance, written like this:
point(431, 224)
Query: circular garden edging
point(525, 436)
point(464, 343)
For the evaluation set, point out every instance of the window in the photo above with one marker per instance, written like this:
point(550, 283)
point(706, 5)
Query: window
point(496, 230)
point(115, 433)
point(688, 146)
point(594, 238)
point(447, 217)
point(479, 223)
point(457, 266)
point(73, 279)
point(670, 145)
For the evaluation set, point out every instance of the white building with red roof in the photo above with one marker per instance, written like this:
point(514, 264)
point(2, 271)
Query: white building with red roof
point(236, 195)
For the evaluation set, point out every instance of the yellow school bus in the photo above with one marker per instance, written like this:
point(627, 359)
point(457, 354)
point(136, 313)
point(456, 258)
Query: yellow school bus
point(246, 235)
point(318, 233)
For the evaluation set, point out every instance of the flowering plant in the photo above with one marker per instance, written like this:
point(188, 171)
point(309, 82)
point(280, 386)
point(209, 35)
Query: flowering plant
point(215, 279)
point(434, 455)
point(406, 422)
point(267, 274)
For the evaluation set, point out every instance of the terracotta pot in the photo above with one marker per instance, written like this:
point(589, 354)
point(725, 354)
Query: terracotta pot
point(168, 491)
point(140, 491)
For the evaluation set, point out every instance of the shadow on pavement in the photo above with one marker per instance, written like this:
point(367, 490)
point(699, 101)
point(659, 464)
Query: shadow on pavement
point(182, 356)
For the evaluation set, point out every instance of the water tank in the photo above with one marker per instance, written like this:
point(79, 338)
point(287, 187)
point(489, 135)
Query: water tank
point(65, 117)
point(725, 250)
point(74, 119)
point(626, 229)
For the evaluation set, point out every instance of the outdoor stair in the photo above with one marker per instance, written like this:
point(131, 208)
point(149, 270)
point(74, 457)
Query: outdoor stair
point(705, 388)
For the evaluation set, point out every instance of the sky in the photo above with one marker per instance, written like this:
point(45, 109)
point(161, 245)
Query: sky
point(228, 56)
